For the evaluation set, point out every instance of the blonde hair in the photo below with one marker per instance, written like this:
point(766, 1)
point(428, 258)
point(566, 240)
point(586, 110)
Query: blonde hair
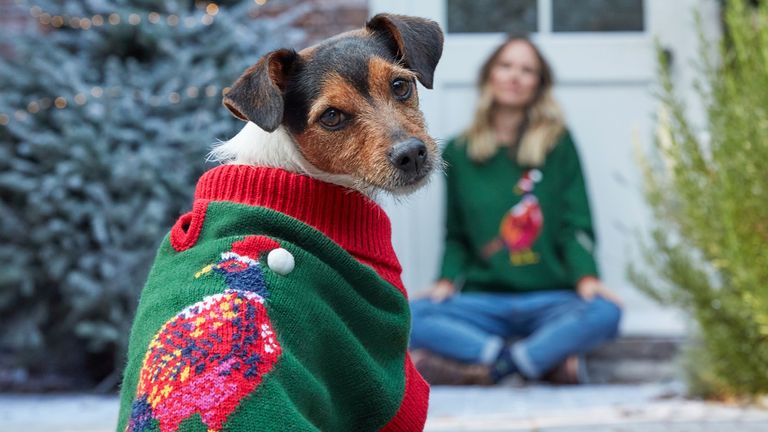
point(542, 126)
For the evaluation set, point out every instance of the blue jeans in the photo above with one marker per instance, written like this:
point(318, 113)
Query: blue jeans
point(548, 327)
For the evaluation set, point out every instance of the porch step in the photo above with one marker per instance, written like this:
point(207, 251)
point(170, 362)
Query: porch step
point(636, 359)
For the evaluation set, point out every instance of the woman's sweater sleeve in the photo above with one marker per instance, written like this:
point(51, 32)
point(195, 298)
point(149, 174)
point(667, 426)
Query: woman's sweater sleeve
point(456, 253)
point(576, 236)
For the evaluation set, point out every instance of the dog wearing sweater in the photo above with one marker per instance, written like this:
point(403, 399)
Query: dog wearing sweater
point(276, 303)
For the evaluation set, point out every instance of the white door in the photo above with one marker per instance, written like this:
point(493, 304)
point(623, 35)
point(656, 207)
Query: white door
point(603, 56)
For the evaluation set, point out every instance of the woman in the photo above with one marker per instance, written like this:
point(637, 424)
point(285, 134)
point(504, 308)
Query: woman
point(519, 240)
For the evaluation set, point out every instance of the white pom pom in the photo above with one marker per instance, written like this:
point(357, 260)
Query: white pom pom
point(280, 261)
point(536, 175)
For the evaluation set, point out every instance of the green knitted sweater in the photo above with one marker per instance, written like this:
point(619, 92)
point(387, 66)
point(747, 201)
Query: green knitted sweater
point(274, 305)
point(510, 228)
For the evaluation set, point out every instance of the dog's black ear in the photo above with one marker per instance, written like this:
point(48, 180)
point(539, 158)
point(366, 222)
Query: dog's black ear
point(257, 96)
point(418, 42)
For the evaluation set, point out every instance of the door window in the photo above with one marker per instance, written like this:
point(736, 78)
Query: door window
point(544, 16)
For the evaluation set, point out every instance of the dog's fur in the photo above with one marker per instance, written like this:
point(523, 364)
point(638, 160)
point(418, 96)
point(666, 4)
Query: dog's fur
point(352, 77)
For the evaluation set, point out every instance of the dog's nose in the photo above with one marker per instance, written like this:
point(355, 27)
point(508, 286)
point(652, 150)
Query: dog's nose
point(409, 155)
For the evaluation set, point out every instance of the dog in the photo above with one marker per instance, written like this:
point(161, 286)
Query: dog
point(276, 302)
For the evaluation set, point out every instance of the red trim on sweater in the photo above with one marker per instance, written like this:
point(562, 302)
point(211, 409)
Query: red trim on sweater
point(186, 230)
point(347, 217)
point(413, 409)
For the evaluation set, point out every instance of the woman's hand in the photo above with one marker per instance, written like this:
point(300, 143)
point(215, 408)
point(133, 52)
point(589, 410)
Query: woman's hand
point(441, 291)
point(589, 287)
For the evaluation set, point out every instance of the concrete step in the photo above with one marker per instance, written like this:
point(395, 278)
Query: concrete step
point(636, 359)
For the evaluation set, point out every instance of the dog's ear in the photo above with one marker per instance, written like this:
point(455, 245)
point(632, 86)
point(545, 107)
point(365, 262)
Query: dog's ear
point(257, 96)
point(418, 42)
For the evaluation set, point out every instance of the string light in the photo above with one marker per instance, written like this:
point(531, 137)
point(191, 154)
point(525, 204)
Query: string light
point(211, 10)
point(80, 99)
point(85, 23)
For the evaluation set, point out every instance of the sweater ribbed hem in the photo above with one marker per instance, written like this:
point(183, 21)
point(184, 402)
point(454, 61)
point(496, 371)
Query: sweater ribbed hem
point(347, 217)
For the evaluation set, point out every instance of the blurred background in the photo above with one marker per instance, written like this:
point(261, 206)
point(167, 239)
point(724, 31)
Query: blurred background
point(108, 108)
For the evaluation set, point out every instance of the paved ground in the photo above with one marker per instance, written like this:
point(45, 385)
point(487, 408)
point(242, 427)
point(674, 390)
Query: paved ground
point(608, 408)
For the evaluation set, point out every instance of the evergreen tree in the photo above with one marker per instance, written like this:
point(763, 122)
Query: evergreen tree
point(710, 198)
point(106, 116)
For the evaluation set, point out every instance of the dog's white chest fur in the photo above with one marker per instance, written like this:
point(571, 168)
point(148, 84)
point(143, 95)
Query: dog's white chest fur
point(255, 146)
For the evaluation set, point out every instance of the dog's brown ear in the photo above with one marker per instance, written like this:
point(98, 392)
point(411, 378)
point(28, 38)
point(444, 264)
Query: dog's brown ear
point(257, 96)
point(418, 41)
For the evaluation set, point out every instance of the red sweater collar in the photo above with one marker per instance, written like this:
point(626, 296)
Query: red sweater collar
point(347, 217)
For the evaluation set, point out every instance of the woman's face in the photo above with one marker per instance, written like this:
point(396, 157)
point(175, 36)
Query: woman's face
point(514, 77)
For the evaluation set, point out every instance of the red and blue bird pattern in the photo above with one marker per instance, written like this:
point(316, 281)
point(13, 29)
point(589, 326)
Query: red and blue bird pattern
point(212, 354)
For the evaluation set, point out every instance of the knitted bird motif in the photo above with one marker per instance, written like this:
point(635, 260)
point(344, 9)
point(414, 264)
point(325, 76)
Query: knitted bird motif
point(212, 354)
point(522, 224)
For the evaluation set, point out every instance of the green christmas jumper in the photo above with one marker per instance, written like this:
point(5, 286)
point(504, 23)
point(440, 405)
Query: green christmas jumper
point(511, 228)
point(274, 305)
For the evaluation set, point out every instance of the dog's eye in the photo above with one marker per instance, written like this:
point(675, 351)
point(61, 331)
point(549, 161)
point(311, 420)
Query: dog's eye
point(401, 88)
point(333, 119)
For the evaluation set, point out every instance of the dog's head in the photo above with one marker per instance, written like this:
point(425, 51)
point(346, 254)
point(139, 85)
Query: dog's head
point(350, 103)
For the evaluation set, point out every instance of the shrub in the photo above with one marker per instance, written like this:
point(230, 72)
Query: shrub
point(104, 132)
point(709, 194)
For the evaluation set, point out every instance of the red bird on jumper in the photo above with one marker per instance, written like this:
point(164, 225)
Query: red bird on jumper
point(213, 353)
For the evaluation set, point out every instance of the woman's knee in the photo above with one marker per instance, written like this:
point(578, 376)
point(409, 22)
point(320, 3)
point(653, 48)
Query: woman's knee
point(420, 309)
point(608, 315)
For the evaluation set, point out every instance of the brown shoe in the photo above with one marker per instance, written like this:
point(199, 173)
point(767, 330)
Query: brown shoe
point(442, 371)
point(566, 373)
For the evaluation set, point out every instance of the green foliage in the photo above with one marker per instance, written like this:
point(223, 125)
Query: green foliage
point(88, 191)
point(710, 200)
